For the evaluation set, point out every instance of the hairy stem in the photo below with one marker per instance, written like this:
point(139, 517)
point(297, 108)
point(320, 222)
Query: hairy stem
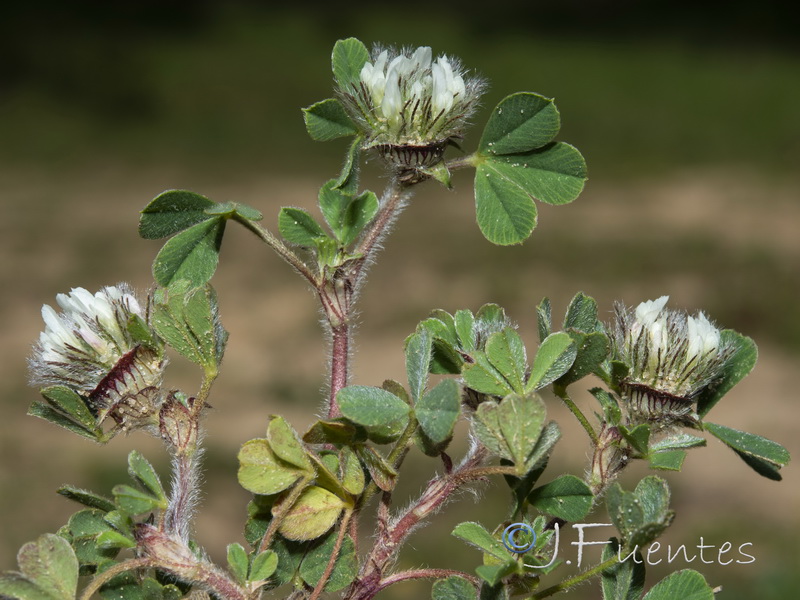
point(337, 292)
point(391, 539)
point(577, 579)
point(392, 202)
point(184, 493)
point(424, 574)
point(281, 250)
point(340, 365)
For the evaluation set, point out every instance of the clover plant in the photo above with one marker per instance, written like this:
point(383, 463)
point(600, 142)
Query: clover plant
point(322, 521)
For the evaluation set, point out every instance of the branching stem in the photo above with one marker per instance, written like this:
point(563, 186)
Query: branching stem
point(337, 291)
point(390, 540)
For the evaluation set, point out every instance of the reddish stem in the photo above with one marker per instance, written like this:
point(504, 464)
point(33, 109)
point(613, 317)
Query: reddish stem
point(391, 539)
point(340, 359)
point(425, 574)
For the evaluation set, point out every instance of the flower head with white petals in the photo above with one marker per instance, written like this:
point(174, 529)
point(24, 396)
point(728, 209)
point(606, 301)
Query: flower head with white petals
point(671, 357)
point(89, 347)
point(410, 106)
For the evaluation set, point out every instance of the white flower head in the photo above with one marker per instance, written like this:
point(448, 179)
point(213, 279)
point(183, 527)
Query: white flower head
point(410, 106)
point(671, 357)
point(89, 348)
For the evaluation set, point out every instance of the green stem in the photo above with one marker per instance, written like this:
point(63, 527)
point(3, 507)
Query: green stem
point(281, 250)
point(209, 377)
point(461, 163)
point(110, 573)
point(392, 202)
point(277, 517)
point(561, 392)
point(334, 556)
point(573, 581)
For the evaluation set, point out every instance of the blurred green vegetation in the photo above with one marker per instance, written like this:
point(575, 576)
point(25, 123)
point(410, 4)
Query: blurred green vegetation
point(214, 89)
point(221, 83)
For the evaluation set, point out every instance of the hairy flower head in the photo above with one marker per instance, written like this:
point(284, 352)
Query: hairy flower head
point(409, 105)
point(89, 347)
point(671, 357)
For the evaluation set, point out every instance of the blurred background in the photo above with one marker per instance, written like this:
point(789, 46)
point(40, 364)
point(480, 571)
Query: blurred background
point(687, 118)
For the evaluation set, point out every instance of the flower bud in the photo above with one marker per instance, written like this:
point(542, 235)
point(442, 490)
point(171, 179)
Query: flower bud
point(609, 458)
point(90, 348)
point(178, 423)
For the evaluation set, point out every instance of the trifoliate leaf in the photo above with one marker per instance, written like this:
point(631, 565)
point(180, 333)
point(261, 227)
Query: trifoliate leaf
point(512, 428)
point(553, 358)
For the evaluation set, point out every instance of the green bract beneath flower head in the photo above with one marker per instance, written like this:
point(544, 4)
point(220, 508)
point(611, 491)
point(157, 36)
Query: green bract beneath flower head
point(90, 348)
point(410, 106)
point(671, 357)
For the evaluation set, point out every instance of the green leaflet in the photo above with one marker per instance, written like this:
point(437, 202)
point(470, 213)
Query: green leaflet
point(566, 497)
point(48, 570)
point(521, 122)
point(686, 585)
point(327, 120)
point(171, 212)
point(192, 254)
point(438, 410)
point(762, 455)
point(347, 60)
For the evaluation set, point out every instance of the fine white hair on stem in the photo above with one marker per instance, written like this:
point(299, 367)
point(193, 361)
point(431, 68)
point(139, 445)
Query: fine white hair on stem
point(185, 493)
point(386, 228)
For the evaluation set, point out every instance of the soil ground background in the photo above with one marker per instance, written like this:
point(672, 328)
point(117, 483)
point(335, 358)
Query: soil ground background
point(673, 207)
